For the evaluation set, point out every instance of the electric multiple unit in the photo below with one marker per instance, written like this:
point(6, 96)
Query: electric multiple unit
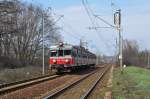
point(64, 57)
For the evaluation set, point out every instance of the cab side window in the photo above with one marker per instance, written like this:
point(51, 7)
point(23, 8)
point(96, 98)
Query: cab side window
point(53, 53)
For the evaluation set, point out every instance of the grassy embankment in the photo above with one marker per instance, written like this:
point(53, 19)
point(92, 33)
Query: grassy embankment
point(18, 74)
point(134, 83)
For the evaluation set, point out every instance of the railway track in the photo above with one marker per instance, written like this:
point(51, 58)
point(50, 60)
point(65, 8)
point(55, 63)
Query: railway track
point(85, 96)
point(39, 87)
point(69, 91)
point(22, 81)
point(33, 89)
point(7, 88)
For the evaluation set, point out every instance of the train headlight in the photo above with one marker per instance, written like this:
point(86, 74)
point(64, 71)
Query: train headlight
point(61, 44)
point(54, 61)
point(66, 60)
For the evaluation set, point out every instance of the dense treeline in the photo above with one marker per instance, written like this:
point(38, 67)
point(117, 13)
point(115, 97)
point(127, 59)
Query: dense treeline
point(132, 55)
point(21, 33)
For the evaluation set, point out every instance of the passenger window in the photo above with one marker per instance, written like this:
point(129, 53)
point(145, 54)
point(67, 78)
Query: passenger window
point(74, 54)
point(67, 52)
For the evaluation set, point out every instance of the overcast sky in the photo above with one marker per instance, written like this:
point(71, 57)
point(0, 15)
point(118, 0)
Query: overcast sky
point(75, 23)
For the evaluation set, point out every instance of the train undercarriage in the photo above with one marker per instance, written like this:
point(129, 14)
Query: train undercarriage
point(66, 68)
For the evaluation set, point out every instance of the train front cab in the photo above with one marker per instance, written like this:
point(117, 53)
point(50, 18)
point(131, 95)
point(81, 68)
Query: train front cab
point(61, 59)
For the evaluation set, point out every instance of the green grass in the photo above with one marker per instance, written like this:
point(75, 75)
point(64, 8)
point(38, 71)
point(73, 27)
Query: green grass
point(133, 83)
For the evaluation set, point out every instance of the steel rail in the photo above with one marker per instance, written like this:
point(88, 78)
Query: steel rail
point(85, 96)
point(17, 86)
point(59, 91)
point(22, 81)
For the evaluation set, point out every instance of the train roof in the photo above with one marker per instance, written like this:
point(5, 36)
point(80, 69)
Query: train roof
point(57, 47)
point(66, 46)
point(69, 47)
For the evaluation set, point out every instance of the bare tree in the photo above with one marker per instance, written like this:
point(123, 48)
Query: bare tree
point(7, 25)
point(130, 52)
point(26, 41)
point(144, 58)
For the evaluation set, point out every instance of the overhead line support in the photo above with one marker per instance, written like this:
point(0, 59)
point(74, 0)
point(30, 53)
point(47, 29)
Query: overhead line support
point(117, 22)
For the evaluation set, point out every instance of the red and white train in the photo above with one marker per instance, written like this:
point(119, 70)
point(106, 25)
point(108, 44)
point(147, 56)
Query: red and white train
point(65, 57)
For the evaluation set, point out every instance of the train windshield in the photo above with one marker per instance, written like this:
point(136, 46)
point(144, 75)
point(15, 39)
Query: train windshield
point(53, 53)
point(60, 52)
point(67, 52)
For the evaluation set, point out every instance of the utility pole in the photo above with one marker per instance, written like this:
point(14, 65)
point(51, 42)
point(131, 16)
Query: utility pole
point(81, 42)
point(43, 29)
point(43, 70)
point(148, 61)
point(116, 52)
point(117, 22)
point(97, 58)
